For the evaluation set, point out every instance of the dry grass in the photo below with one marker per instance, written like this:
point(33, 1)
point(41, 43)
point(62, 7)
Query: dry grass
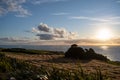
point(60, 62)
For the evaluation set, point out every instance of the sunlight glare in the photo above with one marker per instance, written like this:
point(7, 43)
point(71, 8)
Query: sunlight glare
point(104, 34)
point(104, 47)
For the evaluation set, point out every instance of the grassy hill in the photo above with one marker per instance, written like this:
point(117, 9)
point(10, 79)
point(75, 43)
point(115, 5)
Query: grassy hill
point(22, 70)
point(30, 51)
point(20, 64)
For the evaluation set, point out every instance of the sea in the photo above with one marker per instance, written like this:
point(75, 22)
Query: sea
point(111, 52)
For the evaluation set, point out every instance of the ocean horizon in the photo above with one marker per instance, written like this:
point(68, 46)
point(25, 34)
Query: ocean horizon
point(111, 52)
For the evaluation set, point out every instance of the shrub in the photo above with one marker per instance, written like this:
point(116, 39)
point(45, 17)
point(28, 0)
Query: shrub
point(76, 52)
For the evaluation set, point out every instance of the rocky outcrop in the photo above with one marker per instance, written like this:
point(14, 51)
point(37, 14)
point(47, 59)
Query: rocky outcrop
point(76, 52)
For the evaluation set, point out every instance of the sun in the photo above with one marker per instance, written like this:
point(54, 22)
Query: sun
point(104, 34)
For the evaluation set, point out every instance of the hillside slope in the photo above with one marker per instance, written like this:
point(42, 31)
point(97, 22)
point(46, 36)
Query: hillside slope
point(113, 71)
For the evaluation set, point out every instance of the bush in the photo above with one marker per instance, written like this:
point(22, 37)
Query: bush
point(13, 67)
point(76, 52)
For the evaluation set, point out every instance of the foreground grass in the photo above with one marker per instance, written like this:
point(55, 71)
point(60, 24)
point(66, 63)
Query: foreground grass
point(10, 67)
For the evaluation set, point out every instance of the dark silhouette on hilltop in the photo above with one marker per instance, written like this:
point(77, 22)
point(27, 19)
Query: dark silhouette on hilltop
point(76, 52)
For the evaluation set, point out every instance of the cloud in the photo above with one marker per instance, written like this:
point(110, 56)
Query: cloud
point(89, 18)
point(92, 42)
point(34, 30)
point(105, 21)
point(46, 1)
point(112, 21)
point(116, 41)
point(44, 27)
point(2, 11)
point(14, 40)
point(48, 40)
point(46, 32)
point(48, 36)
point(60, 13)
point(107, 24)
point(14, 6)
point(114, 17)
point(85, 41)
point(118, 1)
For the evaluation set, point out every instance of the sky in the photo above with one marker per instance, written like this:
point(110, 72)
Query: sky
point(59, 22)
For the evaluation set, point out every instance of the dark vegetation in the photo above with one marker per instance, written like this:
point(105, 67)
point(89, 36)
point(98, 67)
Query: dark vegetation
point(20, 70)
point(114, 62)
point(10, 67)
point(76, 52)
point(30, 51)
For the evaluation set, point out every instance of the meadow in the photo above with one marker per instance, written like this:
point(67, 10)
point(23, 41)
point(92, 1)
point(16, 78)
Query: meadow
point(52, 66)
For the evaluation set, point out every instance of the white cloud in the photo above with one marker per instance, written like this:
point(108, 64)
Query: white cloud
point(46, 1)
point(89, 18)
point(14, 6)
point(14, 40)
point(46, 32)
point(118, 1)
point(2, 11)
point(111, 20)
point(111, 23)
point(60, 13)
point(114, 20)
point(34, 30)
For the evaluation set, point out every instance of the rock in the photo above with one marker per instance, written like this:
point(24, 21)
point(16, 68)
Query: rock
point(76, 52)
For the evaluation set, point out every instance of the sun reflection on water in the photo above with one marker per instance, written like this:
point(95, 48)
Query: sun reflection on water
point(104, 47)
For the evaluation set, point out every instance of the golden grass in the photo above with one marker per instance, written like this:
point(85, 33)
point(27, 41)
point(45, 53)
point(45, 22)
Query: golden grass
point(60, 62)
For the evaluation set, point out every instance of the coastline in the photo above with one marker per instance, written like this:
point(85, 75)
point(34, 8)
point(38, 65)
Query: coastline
point(104, 50)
